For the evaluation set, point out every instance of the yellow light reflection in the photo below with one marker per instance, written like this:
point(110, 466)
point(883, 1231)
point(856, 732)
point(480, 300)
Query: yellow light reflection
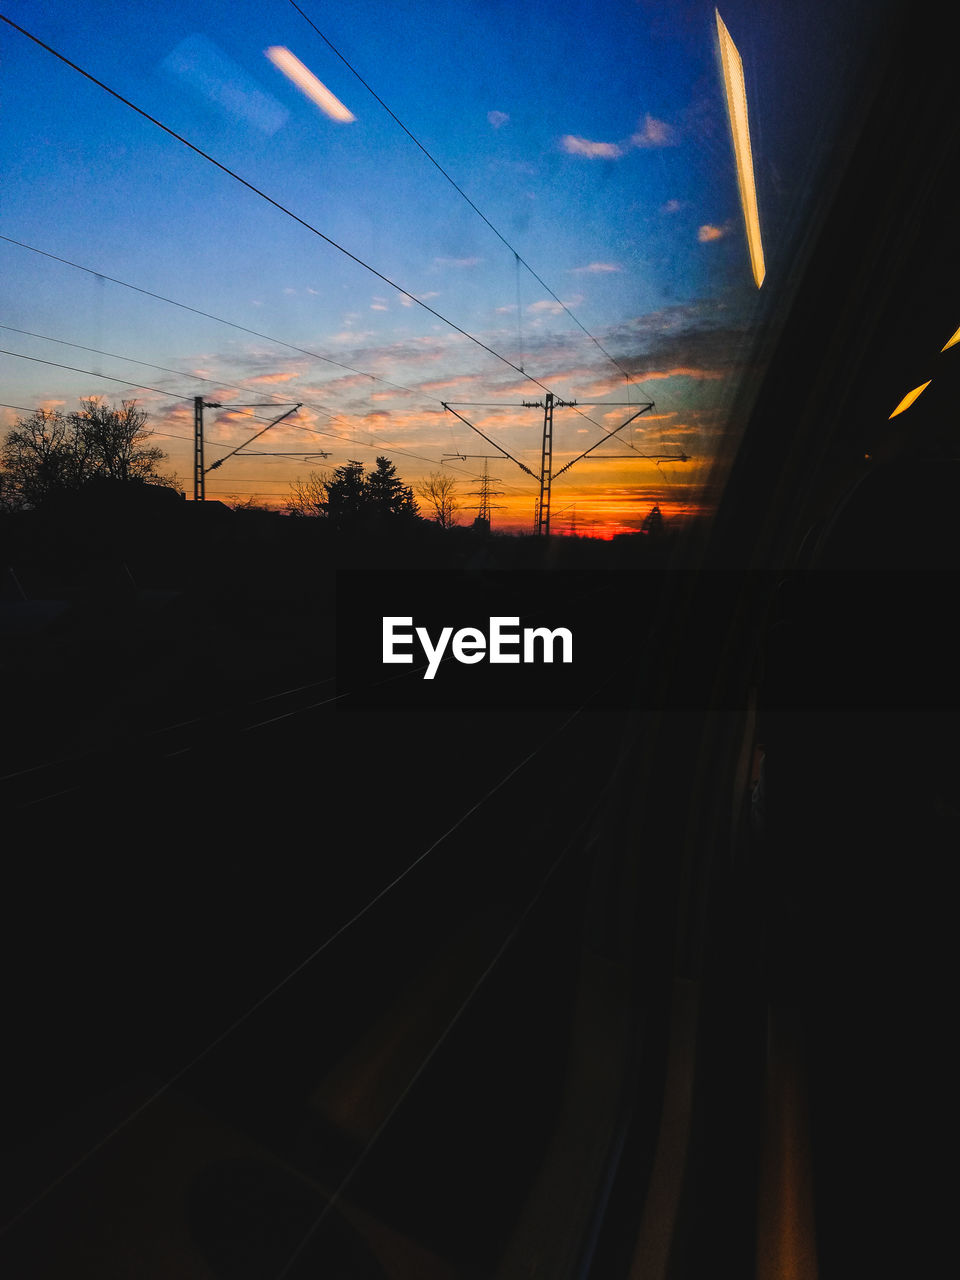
point(307, 82)
point(953, 341)
point(737, 107)
point(909, 398)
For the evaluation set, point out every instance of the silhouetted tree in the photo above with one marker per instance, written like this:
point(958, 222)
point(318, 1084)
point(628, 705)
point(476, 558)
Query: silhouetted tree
point(117, 442)
point(346, 496)
point(438, 491)
point(51, 452)
point(352, 500)
point(387, 497)
point(39, 457)
point(309, 497)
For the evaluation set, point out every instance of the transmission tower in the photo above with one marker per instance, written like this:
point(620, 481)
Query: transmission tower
point(485, 492)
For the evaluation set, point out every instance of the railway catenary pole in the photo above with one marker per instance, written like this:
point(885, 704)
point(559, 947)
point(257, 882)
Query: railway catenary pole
point(546, 476)
point(199, 470)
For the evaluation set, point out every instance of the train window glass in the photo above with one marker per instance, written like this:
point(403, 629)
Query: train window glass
point(379, 990)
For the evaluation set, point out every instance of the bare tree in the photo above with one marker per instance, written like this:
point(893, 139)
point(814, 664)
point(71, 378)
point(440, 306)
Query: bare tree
point(116, 441)
point(37, 457)
point(52, 452)
point(438, 492)
point(309, 497)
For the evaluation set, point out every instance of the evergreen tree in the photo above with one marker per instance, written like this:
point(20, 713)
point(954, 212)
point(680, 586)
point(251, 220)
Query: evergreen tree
point(347, 496)
point(388, 497)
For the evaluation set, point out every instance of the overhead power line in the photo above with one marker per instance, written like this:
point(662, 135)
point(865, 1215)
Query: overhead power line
point(277, 205)
point(250, 186)
point(207, 315)
point(283, 209)
point(173, 395)
point(162, 368)
point(139, 386)
point(479, 212)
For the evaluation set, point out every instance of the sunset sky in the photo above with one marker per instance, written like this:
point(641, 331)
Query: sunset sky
point(593, 137)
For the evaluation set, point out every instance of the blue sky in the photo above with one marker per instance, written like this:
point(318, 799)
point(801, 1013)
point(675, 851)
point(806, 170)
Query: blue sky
point(593, 137)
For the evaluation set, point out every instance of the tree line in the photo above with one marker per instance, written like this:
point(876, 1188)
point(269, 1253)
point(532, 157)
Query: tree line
point(350, 497)
point(51, 452)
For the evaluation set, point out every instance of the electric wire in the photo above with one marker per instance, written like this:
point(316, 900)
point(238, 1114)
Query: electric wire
point(241, 328)
point(363, 444)
point(461, 192)
point(140, 386)
point(20, 244)
point(281, 207)
point(220, 320)
point(207, 315)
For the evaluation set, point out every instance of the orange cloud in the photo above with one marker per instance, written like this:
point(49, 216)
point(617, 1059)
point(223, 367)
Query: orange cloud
point(682, 372)
point(268, 378)
point(466, 380)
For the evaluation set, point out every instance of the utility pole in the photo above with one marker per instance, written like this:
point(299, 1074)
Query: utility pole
point(546, 476)
point(199, 470)
point(548, 404)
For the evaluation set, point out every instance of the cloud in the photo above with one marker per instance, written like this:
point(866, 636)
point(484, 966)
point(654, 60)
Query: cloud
point(654, 133)
point(682, 371)
point(651, 133)
point(447, 384)
point(709, 233)
point(456, 262)
point(672, 206)
point(594, 150)
point(348, 335)
point(267, 378)
point(497, 118)
point(551, 306)
point(595, 268)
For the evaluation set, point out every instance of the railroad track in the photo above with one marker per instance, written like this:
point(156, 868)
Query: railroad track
point(49, 780)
